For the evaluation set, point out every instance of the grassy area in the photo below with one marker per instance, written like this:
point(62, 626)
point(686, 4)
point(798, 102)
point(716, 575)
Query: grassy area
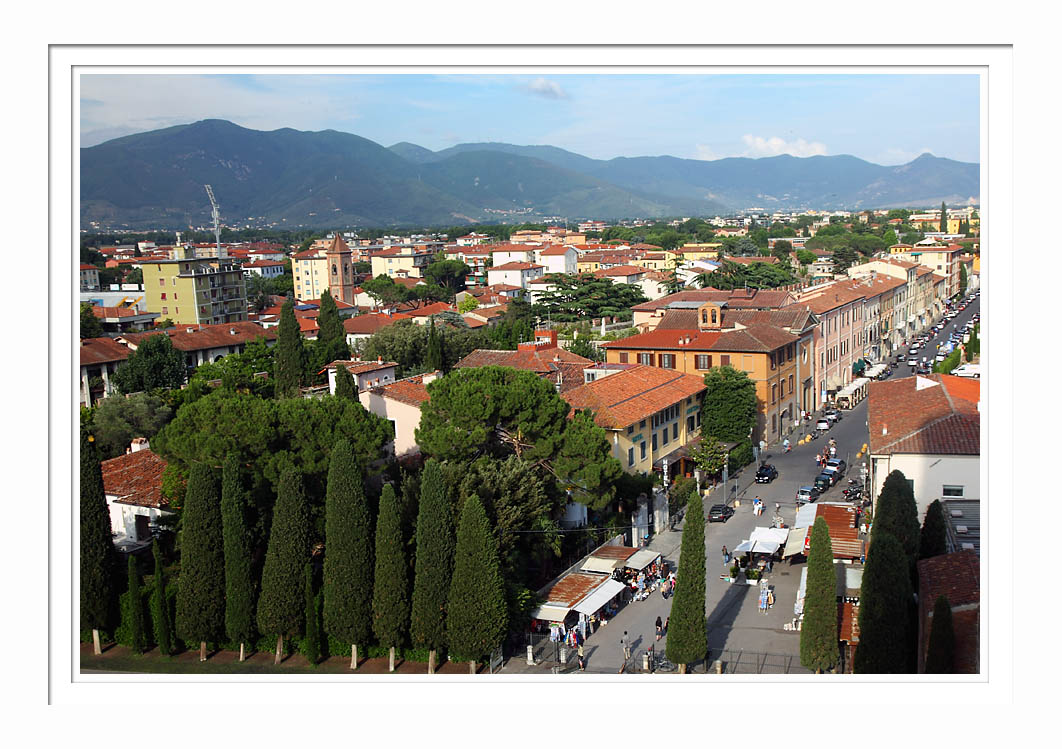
point(119, 659)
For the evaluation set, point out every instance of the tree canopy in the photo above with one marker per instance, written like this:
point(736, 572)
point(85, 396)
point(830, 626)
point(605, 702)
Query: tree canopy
point(731, 275)
point(201, 591)
point(390, 591)
point(154, 364)
point(896, 514)
point(818, 633)
point(91, 327)
point(290, 355)
point(406, 344)
point(434, 560)
point(583, 296)
point(331, 344)
point(282, 603)
point(116, 421)
point(687, 636)
point(97, 560)
point(730, 407)
point(449, 274)
point(933, 539)
point(237, 371)
point(940, 653)
point(239, 580)
point(385, 291)
point(885, 600)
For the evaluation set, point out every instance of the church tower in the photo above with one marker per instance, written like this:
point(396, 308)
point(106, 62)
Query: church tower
point(340, 270)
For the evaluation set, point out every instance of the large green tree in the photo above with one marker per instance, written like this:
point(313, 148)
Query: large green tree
point(729, 410)
point(896, 514)
point(242, 371)
point(348, 564)
point(117, 421)
point(331, 344)
point(406, 344)
point(98, 597)
point(818, 632)
point(434, 563)
point(476, 618)
point(390, 593)
point(449, 274)
point(239, 580)
point(281, 605)
point(933, 539)
point(943, 217)
point(964, 279)
point(201, 591)
point(313, 639)
point(385, 292)
point(687, 635)
point(434, 359)
point(154, 364)
point(160, 606)
point(885, 602)
point(91, 327)
point(940, 653)
point(584, 296)
point(290, 354)
point(345, 385)
point(584, 465)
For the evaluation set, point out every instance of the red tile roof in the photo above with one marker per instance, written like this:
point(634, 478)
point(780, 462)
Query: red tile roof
point(105, 313)
point(634, 394)
point(207, 336)
point(557, 250)
point(666, 340)
point(941, 418)
point(263, 264)
point(431, 309)
point(412, 391)
point(516, 266)
point(736, 299)
point(86, 266)
point(102, 350)
point(370, 323)
point(135, 478)
point(307, 324)
point(356, 367)
point(541, 361)
point(620, 270)
point(473, 322)
point(848, 622)
point(956, 575)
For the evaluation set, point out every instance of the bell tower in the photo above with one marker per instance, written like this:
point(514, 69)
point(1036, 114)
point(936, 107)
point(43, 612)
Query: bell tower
point(340, 270)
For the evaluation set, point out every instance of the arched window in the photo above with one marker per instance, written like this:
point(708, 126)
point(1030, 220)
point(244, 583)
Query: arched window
point(704, 316)
point(715, 314)
point(334, 272)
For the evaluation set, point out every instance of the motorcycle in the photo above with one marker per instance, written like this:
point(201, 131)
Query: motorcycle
point(852, 495)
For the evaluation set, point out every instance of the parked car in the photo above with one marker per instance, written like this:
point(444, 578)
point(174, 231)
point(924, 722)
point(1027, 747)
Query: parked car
point(823, 482)
point(941, 357)
point(822, 425)
point(766, 474)
point(832, 415)
point(838, 464)
point(912, 361)
point(806, 494)
point(719, 513)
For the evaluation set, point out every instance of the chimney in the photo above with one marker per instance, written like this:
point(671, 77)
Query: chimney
point(138, 444)
point(232, 331)
point(189, 330)
point(379, 360)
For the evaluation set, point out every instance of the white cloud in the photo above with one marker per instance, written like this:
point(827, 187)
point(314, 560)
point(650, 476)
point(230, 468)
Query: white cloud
point(757, 146)
point(706, 153)
point(546, 88)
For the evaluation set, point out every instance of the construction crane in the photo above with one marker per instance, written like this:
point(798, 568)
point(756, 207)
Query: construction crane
point(217, 218)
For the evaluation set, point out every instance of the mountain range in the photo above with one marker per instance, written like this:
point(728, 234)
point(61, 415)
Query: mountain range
point(331, 179)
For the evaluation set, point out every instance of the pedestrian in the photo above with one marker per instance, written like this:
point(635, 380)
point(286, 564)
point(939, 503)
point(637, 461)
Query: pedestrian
point(582, 658)
point(770, 565)
point(770, 598)
point(726, 555)
point(667, 624)
point(625, 641)
point(659, 628)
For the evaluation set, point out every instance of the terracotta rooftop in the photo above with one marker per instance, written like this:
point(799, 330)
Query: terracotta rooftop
point(411, 390)
point(736, 299)
point(956, 575)
point(207, 336)
point(540, 361)
point(516, 266)
point(101, 350)
point(614, 552)
point(620, 270)
point(634, 394)
point(263, 264)
point(110, 313)
point(370, 323)
point(135, 478)
point(356, 367)
point(931, 415)
point(556, 250)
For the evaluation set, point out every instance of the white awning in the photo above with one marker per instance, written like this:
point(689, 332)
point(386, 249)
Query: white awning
point(597, 564)
point(550, 613)
point(770, 535)
point(795, 543)
point(765, 547)
point(805, 517)
point(744, 546)
point(641, 559)
point(602, 595)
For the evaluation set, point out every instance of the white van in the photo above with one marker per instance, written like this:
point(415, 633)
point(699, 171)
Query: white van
point(967, 370)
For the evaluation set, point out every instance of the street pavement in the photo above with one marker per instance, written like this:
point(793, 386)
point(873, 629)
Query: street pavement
point(735, 622)
point(902, 370)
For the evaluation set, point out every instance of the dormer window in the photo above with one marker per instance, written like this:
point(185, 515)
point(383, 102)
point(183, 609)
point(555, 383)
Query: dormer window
point(715, 316)
point(704, 316)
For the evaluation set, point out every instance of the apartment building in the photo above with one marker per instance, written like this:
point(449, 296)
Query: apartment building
point(192, 290)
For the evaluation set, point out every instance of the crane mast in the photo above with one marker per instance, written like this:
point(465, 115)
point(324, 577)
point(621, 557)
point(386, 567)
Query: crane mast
point(216, 215)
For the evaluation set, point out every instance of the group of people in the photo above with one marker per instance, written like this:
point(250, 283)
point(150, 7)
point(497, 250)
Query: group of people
point(828, 452)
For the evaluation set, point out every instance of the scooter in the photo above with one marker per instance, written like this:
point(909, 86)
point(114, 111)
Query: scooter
point(852, 495)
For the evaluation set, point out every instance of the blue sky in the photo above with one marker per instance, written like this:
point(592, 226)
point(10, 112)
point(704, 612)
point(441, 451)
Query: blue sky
point(884, 118)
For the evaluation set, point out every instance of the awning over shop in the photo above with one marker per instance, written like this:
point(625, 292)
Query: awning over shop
point(642, 559)
point(874, 371)
point(597, 564)
point(770, 535)
point(550, 613)
point(795, 543)
point(599, 597)
point(744, 546)
point(805, 517)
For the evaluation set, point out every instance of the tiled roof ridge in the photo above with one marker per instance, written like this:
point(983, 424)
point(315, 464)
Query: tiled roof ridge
point(678, 376)
point(951, 414)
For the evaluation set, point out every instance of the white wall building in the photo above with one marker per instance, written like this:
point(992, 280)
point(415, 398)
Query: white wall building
point(514, 274)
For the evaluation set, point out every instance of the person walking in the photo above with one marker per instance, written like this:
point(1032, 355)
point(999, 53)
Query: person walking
point(659, 628)
point(726, 555)
point(582, 657)
point(625, 641)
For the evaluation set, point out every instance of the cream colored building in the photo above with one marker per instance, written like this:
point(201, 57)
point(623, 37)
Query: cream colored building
point(310, 269)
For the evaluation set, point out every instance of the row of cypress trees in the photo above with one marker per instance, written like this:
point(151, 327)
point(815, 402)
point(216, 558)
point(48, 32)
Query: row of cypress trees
point(457, 601)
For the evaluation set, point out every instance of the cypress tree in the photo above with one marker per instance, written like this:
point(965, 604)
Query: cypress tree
point(133, 611)
point(390, 604)
point(345, 386)
point(201, 592)
point(434, 565)
point(884, 610)
point(818, 632)
point(97, 560)
point(239, 582)
point(311, 641)
point(476, 613)
point(687, 636)
point(933, 540)
point(940, 655)
point(281, 605)
point(331, 337)
point(943, 217)
point(160, 607)
point(896, 514)
point(348, 564)
point(290, 357)
point(434, 357)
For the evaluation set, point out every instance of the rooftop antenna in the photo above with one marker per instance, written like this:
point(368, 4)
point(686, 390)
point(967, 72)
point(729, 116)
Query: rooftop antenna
point(215, 214)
